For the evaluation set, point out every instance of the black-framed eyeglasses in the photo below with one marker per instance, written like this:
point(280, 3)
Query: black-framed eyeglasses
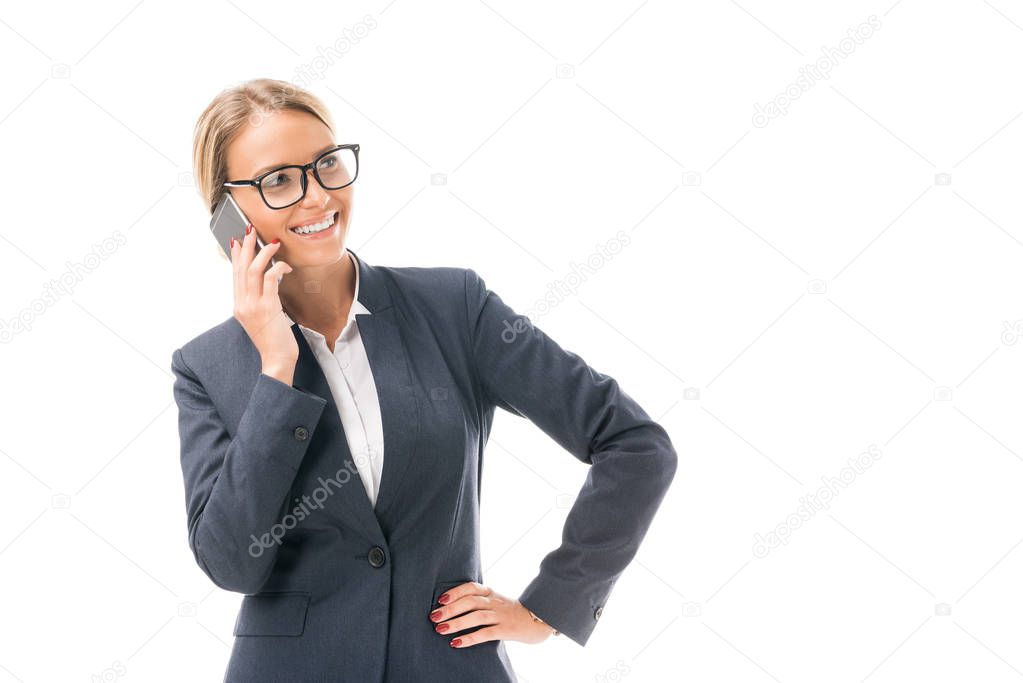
point(286, 185)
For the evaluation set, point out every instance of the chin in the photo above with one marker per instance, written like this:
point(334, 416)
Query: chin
point(322, 255)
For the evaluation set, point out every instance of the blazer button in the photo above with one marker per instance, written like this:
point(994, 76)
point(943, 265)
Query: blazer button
point(376, 556)
point(301, 433)
point(598, 612)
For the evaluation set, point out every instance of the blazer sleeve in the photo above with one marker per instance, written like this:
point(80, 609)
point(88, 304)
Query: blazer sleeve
point(631, 458)
point(237, 486)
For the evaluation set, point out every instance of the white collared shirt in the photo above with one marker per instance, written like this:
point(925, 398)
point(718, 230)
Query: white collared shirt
point(351, 384)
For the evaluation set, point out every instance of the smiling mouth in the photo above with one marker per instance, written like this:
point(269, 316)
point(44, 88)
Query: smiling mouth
point(316, 228)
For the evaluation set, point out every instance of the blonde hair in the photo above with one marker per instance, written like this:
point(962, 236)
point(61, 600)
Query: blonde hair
point(229, 112)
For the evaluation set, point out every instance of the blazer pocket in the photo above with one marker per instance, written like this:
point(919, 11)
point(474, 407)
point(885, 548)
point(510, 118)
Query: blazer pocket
point(442, 587)
point(272, 614)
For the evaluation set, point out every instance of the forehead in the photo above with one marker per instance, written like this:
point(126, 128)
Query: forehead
point(282, 137)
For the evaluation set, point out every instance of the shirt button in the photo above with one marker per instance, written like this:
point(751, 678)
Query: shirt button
point(376, 556)
point(301, 433)
point(343, 362)
point(598, 612)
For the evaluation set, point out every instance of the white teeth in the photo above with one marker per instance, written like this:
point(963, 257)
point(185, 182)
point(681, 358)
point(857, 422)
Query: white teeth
point(316, 227)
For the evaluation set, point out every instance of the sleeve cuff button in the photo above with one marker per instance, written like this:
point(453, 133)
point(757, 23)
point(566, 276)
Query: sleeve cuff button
point(301, 433)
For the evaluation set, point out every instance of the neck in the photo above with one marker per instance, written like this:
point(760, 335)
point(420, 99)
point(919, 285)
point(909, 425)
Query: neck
point(320, 297)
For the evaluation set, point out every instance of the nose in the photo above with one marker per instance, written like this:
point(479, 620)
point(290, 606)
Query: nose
point(315, 195)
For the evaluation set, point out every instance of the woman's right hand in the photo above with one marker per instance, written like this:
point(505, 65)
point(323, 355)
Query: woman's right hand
point(257, 304)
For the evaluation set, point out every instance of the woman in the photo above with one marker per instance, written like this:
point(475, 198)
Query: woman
point(332, 453)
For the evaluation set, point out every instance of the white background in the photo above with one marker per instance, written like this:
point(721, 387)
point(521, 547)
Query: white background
point(843, 279)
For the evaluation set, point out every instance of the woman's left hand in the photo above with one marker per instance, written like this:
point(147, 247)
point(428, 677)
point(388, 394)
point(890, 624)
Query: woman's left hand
point(473, 604)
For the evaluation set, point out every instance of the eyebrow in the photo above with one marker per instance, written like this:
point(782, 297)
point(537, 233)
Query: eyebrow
point(264, 169)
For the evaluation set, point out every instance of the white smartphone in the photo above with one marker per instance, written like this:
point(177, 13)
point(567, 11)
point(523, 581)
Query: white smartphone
point(228, 221)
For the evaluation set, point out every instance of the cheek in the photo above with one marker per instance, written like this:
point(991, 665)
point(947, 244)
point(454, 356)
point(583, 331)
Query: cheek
point(268, 224)
point(257, 212)
point(345, 196)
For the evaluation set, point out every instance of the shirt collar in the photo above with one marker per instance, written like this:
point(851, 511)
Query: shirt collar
point(357, 306)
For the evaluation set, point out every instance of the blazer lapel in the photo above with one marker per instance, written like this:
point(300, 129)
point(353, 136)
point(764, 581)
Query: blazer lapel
point(399, 412)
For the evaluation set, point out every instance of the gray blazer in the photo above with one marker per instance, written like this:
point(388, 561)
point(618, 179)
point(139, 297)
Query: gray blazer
point(337, 590)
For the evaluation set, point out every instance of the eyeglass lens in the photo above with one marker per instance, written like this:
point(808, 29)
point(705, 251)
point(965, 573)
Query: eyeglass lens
point(334, 171)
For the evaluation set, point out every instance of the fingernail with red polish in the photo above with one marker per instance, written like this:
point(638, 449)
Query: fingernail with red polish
point(232, 243)
point(441, 628)
point(435, 615)
point(275, 240)
point(248, 228)
point(444, 599)
point(456, 642)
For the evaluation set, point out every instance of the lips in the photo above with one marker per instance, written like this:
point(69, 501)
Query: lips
point(333, 218)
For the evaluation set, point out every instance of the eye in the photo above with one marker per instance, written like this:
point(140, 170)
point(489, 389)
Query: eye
point(276, 179)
